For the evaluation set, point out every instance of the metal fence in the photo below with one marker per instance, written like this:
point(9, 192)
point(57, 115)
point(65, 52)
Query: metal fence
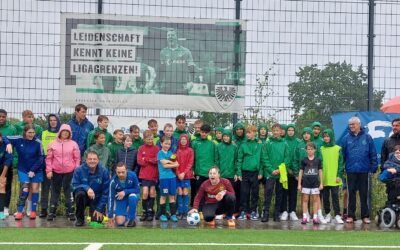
point(281, 34)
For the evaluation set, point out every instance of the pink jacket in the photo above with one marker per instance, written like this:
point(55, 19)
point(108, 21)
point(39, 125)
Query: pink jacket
point(63, 156)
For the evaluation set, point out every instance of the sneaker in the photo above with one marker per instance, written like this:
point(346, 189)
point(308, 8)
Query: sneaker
point(19, 215)
point(304, 220)
point(131, 223)
point(315, 221)
point(265, 217)
point(277, 218)
point(71, 217)
point(144, 217)
point(328, 218)
point(32, 215)
point(163, 218)
point(231, 223)
point(219, 217)
point(321, 219)
point(284, 216)
point(2, 217)
point(183, 217)
point(51, 217)
point(43, 213)
point(211, 223)
point(338, 219)
point(79, 223)
point(242, 216)
point(174, 218)
point(253, 216)
point(293, 216)
point(6, 211)
point(366, 220)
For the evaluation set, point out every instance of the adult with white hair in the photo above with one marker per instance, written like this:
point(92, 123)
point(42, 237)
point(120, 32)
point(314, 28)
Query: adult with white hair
point(360, 161)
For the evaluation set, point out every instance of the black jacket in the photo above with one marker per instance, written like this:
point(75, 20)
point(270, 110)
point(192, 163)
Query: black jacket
point(388, 147)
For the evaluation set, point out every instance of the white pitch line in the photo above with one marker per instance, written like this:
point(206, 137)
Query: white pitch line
point(94, 246)
point(98, 244)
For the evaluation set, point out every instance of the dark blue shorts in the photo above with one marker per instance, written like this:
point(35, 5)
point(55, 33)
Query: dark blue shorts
point(183, 183)
point(167, 186)
point(23, 177)
point(148, 183)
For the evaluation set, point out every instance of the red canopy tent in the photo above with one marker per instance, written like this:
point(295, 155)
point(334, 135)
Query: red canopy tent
point(392, 106)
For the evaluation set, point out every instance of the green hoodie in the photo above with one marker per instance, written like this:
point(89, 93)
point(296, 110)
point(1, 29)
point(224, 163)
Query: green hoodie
point(177, 134)
point(264, 139)
point(277, 152)
point(90, 139)
point(333, 160)
point(284, 127)
point(226, 156)
point(114, 147)
point(236, 139)
point(21, 125)
point(218, 141)
point(103, 152)
point(292, 142)
point(7, 129)
point(204, 156)
point(300, 153)
point(137, 143)
point(317, 139)
point(249, 157)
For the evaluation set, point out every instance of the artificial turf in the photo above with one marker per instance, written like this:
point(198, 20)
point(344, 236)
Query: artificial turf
point(295, 237)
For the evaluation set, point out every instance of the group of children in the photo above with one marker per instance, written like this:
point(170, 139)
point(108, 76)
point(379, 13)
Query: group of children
point(172, 162)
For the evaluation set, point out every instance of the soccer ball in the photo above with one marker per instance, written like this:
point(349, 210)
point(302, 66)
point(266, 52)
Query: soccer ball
point(193, 219)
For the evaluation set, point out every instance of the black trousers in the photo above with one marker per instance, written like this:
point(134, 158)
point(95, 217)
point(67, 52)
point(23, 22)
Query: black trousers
point(271, 185)
point(45, 192)
point(289, 196)
point(10, 175)
point(236, 187)
point(82, 201)
point(331, 192)
point(249, 191)
point(358, 182)
point(224, 206)
point(57, 182)
point(192, 191)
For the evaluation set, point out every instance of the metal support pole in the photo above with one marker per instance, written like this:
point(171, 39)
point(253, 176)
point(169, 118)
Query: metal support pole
point(238, 31)
point(99, 11)
point(371, 37)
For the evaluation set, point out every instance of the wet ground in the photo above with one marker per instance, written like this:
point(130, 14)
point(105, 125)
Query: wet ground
point(62, 222)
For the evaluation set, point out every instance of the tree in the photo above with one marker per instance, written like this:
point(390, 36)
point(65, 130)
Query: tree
point(318, 93)
point(258, 113)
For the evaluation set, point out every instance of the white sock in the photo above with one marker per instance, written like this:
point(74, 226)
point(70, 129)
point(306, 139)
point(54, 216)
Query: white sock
point(315, 216)
point(319, 212)
point(305, 215)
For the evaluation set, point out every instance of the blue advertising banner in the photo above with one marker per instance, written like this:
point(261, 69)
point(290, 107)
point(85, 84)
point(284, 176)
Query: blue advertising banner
point(377, 124)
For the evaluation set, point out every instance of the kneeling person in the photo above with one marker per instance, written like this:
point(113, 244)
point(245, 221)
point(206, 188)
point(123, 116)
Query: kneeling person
point(124, 192)
point(91, 185)
point(219, 198)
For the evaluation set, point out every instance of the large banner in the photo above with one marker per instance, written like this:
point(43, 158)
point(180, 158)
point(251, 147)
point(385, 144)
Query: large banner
point(377, 124)
point(152, 62)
